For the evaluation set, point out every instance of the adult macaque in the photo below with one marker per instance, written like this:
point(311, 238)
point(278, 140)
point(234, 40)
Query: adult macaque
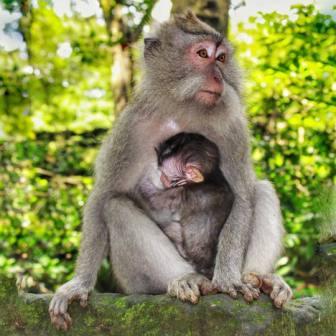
point(188, 197)
point(191, 84)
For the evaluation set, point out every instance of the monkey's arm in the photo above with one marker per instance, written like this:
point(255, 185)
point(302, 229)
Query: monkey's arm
point(94, 242)
point(92, 251)
point(234, 237)
point(232, 245)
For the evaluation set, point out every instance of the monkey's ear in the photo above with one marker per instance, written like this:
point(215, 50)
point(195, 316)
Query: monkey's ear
point(151, 44)
point(193, 174)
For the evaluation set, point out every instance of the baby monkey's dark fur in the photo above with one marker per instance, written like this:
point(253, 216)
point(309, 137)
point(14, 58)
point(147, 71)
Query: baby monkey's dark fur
point(183, 212)
point(192, 148)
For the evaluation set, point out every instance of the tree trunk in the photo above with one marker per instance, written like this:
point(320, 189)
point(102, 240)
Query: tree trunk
point(122, 36)
point(215, 13)
point(25, 23)
point(121, 71)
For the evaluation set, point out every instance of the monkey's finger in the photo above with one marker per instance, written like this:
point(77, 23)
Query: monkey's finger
point(186, 293)
point(254, 291)
point(83, 300)
point(63, 306)
point(267, 284)
point(172, 289)
point(53, 302)
point(67, 319)
point(180, 290)
point(59, 322)
point(53, 318)
point(56, 305)
point(195, 292)
point(232, 292)
point(253, 279)
point(207, 287)
point(276, 290)
point(284, 296)
point(247, 293)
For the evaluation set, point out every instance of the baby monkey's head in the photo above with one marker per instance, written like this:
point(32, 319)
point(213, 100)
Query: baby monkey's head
point(186, 158)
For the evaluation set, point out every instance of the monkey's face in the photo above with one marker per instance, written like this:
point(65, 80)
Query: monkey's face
point(190, 62)
point(207, 57)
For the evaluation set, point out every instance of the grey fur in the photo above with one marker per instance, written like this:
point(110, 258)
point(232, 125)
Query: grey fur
point(144, 259)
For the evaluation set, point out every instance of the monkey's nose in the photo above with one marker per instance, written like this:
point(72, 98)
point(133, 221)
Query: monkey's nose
point(217, 76)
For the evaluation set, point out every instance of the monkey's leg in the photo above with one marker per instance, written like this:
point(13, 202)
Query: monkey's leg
point(144, 259)
point(265, 245)
point(92, 251)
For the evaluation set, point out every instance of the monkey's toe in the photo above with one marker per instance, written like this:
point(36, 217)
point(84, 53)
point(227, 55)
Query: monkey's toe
point(58, 312)
point(249, 292)
point(61, 321)
point(184, 291)
point(190, 287)
point(282, 297)
point(277, 289)
point(83, 299)
point(252, 279)
point(207, 287)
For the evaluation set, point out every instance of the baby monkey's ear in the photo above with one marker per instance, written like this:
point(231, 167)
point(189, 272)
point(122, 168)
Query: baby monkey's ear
point(193, 174)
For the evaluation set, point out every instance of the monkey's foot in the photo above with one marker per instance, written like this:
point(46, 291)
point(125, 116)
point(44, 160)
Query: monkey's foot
point(232, 288)
point(252, 279)
point(272, 285)
point(190, 287)
point(58, 308)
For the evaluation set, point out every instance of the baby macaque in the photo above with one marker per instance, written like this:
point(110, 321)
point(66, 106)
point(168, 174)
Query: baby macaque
point(177, 198)
point(188, 158)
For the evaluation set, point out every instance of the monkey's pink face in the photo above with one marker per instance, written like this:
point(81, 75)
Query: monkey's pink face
point(207, 57)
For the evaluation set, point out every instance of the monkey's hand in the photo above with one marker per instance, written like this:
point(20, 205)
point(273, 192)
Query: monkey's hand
point(272, 285)
point(190, 287)
point(233, 285)
point(58, 308)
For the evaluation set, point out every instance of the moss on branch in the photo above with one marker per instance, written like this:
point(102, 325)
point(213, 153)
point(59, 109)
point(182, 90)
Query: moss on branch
point(117, 314)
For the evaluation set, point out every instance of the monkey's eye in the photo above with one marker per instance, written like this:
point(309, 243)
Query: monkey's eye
point(202, 53)
point(221, 58)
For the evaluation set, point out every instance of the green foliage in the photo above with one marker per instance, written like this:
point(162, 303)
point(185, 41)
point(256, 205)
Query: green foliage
point(63, 81)
point(291, 98)
point(44, 185)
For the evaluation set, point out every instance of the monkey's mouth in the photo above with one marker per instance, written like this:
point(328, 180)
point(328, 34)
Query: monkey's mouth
point(207, 97)
point(213, 93)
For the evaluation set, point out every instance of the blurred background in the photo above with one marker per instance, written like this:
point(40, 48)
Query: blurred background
point(67, 68)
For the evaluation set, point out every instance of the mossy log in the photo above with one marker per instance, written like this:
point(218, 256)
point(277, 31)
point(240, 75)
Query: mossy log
point(117, 314)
